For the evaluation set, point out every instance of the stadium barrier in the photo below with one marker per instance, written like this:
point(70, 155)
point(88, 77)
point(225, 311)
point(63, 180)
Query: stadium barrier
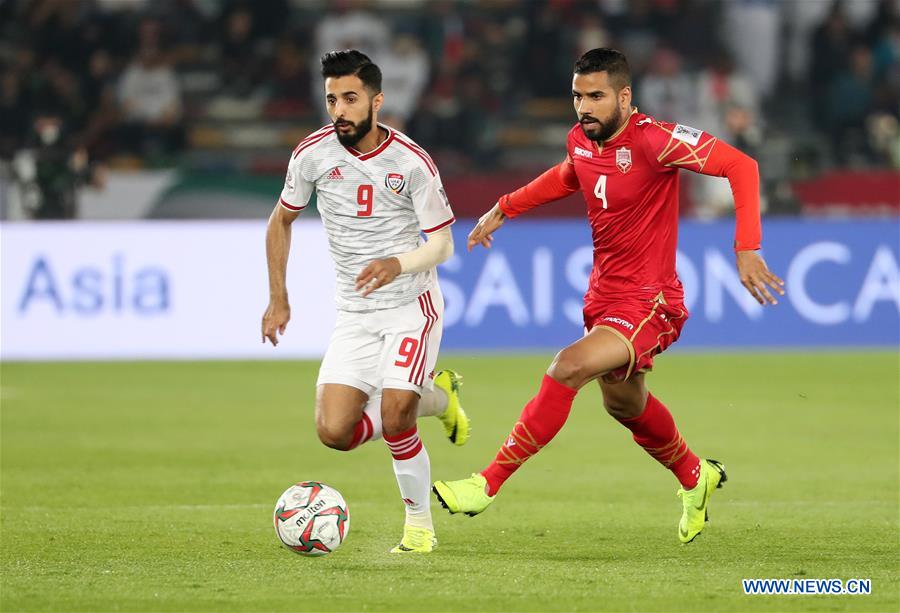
point(95, 290)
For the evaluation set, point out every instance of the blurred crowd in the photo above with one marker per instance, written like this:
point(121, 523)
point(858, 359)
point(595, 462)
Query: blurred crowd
point(137, 82)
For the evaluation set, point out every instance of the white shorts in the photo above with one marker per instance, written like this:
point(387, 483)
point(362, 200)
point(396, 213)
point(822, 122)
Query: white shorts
point(386, 348)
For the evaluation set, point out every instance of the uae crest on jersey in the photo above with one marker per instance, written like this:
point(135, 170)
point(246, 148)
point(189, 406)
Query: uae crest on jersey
point(395, 182)
point(623, 159)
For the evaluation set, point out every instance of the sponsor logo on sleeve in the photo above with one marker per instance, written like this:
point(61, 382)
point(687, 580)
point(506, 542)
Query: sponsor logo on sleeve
point(687, 134)
point(395, 182)
point(289, 180)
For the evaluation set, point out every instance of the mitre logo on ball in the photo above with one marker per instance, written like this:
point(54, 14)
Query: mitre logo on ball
point(395, 182)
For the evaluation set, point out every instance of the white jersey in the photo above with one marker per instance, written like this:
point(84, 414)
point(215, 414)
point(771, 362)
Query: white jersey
point(373, 205)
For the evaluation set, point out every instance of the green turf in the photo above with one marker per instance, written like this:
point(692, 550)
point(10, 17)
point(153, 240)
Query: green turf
point(150, 486)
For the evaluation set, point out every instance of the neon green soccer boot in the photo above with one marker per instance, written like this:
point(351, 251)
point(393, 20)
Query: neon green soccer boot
point(455, 420)
point(464, 496)
point(416, 540)
point(695, 501)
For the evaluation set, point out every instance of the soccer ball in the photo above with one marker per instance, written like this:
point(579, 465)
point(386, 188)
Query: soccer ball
point(311, 518)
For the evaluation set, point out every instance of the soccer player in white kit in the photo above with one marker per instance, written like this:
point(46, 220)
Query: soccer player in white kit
point(377, 191)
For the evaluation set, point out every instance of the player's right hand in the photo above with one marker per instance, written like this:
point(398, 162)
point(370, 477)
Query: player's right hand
point(483, 233)
point(275, 321)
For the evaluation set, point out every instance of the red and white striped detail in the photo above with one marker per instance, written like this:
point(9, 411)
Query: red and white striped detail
point(291, 207)
point(405, 445)
point(439, 226)
point(362, 432)
point(417, 371)
point(366, 156)
point(312, 139)
point(429, 163)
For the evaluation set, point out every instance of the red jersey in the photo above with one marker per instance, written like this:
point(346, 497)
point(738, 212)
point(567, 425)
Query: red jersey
point(630, 183)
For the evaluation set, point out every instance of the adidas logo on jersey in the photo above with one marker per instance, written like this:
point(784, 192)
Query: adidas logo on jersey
point(335, 174)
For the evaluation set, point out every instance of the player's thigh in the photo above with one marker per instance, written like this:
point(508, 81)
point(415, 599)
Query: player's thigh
point(624, 399)
point(338, 408)
point(412, 340)
point(353, 355)
point(595, 354)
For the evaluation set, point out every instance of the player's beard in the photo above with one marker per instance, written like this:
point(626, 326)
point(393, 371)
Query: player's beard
point(607, 126)
point(360, 129)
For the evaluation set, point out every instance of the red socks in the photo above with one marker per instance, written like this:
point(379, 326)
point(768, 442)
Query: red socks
point(655, 431)
point(541, 419)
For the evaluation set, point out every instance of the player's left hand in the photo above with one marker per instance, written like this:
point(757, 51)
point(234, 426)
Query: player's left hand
point(756, 276)
point(377, 274)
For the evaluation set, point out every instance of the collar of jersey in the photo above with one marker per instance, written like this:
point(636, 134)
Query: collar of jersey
point(370, 154)
point(599, 146)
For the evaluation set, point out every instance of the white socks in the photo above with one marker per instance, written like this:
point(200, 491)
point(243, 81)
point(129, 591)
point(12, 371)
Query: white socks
point(413, 471)
point(432, 402)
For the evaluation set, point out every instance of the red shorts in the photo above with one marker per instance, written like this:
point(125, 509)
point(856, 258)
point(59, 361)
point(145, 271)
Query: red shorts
point(647, 327)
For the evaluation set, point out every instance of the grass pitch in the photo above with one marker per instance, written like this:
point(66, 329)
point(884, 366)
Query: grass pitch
point(150, 486)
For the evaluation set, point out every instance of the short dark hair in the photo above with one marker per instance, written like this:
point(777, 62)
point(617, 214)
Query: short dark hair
point(611, 61)
point(352, 62)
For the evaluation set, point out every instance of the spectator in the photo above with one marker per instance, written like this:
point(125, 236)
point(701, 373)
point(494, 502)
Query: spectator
point(720, 89)
point(405, 72)
point(848, 104)
point(241, 69)
point(150, 100)
point(830, 49)
point(754, 35)
point(667, 91)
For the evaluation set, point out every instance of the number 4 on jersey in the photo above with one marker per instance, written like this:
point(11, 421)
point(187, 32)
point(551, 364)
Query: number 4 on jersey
point(600, 189)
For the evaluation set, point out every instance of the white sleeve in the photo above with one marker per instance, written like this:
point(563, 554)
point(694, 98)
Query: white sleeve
point(297, 190)
point(430, 201)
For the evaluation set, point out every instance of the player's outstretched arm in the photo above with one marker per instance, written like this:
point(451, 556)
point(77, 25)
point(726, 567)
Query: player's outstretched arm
point(437, 249)
point(278, 245)
point(483, 232)
point(556, 183)
point(743, 175)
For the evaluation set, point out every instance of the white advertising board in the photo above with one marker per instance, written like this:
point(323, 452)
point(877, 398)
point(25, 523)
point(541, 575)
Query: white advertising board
point(157, 289)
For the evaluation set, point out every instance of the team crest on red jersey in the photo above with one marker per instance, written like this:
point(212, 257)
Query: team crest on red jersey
point(395, 182)
point(623, 159)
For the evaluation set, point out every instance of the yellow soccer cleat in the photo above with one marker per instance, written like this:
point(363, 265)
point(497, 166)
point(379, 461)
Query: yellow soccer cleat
point(455, 420)
point(416, 540)
point(695, 501)
point(464, 496)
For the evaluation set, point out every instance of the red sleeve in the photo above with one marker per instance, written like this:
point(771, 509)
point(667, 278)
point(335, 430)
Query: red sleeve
point(556, 183)
point(679, 146)
point(743, 175)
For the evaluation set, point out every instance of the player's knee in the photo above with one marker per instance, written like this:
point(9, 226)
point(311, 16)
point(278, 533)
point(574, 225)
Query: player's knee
point(568, 369)
point(397, 417)
point(335, 438)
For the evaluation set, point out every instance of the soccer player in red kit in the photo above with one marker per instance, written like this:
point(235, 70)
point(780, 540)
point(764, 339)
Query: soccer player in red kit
point(626, 165)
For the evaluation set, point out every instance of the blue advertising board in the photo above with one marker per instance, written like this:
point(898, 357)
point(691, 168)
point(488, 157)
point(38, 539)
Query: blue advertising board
point(842, 282)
